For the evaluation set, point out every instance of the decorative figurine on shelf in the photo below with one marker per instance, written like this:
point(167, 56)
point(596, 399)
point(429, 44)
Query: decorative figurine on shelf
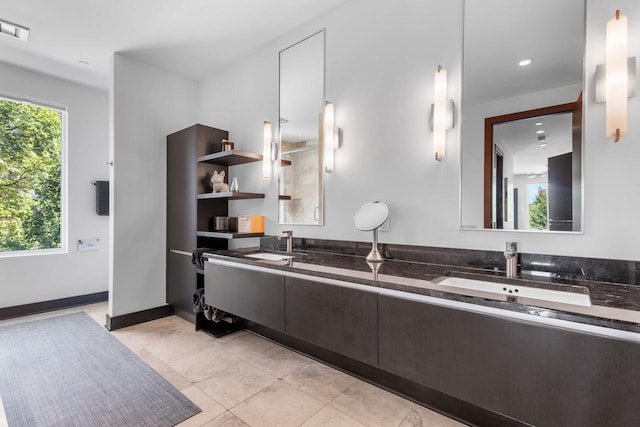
point(217, 180)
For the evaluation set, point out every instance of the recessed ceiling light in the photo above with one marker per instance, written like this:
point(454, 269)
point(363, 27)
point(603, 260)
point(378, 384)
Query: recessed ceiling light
point(543, 144)
point(539, 124)
point(14, 30)
point(540, 131)
point(532, 176)
point(524, 62)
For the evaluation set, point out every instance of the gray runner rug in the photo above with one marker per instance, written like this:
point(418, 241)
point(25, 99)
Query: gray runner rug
point(70, 371)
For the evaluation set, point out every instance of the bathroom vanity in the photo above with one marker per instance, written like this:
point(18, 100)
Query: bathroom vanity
point(483, 357)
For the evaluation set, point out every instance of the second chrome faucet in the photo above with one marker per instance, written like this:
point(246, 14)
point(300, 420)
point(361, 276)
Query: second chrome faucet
point(289, 236)
point(511, 258)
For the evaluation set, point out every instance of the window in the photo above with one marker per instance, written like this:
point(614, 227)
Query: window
point(31, 153)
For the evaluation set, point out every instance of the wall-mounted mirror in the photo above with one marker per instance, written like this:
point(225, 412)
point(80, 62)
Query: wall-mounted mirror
point(521, 136)
point(301, 107)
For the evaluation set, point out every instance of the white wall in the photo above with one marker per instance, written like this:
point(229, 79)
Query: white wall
point(381, 57)
point(29, 279)
point(147, 104)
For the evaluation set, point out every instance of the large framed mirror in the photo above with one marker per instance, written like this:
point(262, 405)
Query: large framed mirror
point(301, 107)
point(521, 137)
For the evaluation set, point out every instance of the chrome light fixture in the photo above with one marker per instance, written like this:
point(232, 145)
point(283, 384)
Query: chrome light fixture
point(14, 30)
point(616, 77)
point(266, 151)
point(441, 113)
point(330, 136)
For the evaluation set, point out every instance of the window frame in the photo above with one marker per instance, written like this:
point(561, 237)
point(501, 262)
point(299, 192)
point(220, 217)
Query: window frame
point(62, 110)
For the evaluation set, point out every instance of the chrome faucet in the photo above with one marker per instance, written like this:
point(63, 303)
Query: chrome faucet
point(289, 236)
point(511, 257)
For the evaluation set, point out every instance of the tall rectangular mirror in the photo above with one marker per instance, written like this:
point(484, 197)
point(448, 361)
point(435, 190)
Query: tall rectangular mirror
point(521, 136)
point(301, 108)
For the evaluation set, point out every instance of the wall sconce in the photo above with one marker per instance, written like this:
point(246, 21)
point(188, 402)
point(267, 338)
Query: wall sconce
point(615, 80)
point(330, 136)
point(266, 151)
point(616, 74)
point(441, 116)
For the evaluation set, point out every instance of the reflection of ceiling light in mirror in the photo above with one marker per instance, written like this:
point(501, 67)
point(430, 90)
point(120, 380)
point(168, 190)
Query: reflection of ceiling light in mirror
point(542, 140)
point(524, 62)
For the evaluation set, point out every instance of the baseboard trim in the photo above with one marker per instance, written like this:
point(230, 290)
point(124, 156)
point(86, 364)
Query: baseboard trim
point(188, 316)
point(56, 304)
point(130, 319)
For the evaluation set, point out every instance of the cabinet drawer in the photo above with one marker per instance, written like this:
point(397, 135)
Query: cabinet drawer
point(337, 318)
point(253, 295)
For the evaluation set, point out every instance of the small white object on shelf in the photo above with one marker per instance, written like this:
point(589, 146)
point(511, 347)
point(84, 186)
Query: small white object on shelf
point(217, 180)
point(234, 185)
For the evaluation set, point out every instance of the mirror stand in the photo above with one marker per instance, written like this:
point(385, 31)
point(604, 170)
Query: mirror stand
point(374, 255)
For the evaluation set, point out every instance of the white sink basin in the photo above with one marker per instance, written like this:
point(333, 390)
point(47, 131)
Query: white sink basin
point(564, 297)
point(266, 256)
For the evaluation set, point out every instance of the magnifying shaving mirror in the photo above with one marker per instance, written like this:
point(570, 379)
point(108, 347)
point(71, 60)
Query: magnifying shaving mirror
point(369, 218)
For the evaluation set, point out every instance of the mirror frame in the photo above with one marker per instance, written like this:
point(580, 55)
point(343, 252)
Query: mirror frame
point(575, 108)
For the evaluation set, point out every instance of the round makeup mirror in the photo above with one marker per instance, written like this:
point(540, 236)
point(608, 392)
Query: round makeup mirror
point(371, 216)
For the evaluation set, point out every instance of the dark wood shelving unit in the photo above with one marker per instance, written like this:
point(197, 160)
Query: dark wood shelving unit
point(231, 196)
point(284, 162)
point(228, 235)
point(230, 158)
point(193, 155)
point(284, 197)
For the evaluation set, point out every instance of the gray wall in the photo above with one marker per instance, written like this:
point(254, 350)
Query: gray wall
point(29, 279)
point(147, 104)
point(381, 57)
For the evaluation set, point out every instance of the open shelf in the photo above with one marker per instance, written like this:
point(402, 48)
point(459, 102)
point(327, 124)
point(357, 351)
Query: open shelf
point(228, 234)
point(230, 158)
point(284, 162)
point(228, 195)
point(284, 197)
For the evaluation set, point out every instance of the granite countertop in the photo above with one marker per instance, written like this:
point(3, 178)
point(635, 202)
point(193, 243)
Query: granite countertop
point(614, 305)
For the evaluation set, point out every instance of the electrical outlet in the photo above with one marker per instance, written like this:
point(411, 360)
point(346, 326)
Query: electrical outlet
point(88, 245)
point(385, 225)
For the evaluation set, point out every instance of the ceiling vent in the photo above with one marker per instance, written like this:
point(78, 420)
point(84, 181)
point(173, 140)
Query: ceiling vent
point(14, 30)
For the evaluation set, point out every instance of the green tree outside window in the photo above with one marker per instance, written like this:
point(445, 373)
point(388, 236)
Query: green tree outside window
point(538, 211)
point(30, 176)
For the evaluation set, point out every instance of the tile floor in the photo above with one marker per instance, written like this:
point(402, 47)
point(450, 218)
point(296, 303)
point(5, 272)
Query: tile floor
point(244, 380)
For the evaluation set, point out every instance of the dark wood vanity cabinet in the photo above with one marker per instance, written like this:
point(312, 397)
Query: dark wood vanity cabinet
point(337, 318)
point(252, 295)
point(539, 374)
